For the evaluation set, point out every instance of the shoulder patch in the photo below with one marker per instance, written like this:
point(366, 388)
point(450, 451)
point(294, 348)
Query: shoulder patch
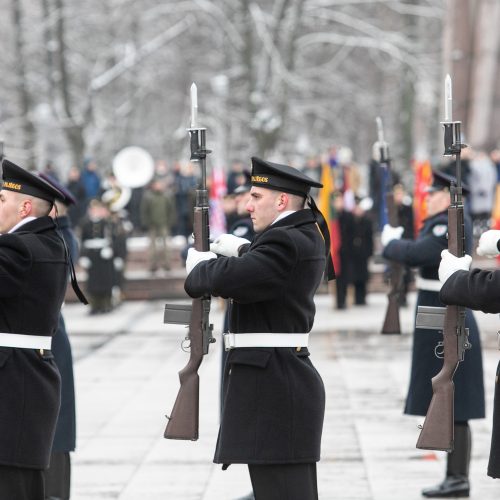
point(440, 230)
point(240, 231)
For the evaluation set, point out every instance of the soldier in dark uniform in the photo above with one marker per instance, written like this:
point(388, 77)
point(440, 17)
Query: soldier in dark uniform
point(34, 273)
point(97, 256)
point(362, 250)
point(58, 475)
point(425, 253)
point(274, 399)
point(477, 289)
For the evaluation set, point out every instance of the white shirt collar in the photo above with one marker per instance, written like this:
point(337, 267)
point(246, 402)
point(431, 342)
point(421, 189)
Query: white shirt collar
point(21, 223)
point(282, 215)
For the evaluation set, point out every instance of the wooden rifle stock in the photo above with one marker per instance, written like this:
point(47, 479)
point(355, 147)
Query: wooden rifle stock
point(437, 431)
point(391, 322)
point(183, 422)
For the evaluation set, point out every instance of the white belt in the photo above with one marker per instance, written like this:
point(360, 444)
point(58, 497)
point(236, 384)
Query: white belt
point(96, 243)
point(25, 341)
point(235, 340)
point(430, 285)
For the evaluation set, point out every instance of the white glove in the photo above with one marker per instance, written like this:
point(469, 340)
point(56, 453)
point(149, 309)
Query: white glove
point(228, 245)
point(390, 233)
point(118, 263)
point(451, 264)
point(487, 246)
point(84, 262)
point(194, 257)
point(106, 253)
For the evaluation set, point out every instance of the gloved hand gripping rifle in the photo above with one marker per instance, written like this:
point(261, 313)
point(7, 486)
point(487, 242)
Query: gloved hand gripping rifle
point(183, 422)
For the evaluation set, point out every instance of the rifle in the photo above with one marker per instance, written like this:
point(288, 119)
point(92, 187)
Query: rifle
point(391, 321)
point(183, 422)
point(437, 430)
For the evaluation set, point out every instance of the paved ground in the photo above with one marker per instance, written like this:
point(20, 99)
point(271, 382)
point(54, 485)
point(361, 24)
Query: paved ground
point(126, 366)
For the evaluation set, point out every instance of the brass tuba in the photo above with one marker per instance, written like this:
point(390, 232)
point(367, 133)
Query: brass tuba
point(133, 167)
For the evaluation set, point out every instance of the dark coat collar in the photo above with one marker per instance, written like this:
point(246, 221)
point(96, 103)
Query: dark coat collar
point(38, 225)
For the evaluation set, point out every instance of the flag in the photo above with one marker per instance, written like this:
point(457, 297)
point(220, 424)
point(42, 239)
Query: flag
point(423, 179)
point(217, 191)
point(325, 205)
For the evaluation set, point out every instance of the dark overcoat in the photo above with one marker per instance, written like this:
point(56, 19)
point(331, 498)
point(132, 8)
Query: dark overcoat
point(65, 436)
point(425, 253)
point(362, 248)
point(274, 398)
point(33, 278)
point(97, 246)
point(479, 289)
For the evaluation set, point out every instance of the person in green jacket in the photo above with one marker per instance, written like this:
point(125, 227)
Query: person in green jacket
point(157, 217)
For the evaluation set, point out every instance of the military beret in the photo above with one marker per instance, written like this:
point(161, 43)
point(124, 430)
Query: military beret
point(281, 177)
point(19, 180)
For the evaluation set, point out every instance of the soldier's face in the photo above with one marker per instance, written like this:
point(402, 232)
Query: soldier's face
point(263, 207)
point(437, 201)
point(10, 210)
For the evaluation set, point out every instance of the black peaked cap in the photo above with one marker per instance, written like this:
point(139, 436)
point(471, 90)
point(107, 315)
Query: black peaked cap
point(19, 180)
point(281, 177)
point(66, 197)
point(442, 181)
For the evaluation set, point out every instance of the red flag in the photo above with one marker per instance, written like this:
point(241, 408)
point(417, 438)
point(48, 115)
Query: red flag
point(423, 179)
point(217, 192)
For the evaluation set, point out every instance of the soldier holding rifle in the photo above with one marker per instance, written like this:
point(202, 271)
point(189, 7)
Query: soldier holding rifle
point(477, 289)
point(424, 253)
point(274, 398)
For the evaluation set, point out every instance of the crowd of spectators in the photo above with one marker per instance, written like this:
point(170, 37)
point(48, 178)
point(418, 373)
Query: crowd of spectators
point(163, 209)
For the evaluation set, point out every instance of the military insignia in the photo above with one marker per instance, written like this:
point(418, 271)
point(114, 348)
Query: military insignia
point(439, 230)
point(240, 231)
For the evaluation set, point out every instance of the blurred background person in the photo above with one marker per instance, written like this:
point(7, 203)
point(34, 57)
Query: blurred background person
point(158, 214)
point(97, 256)
point(75, 186)
point(404, 204)
point(362, 249)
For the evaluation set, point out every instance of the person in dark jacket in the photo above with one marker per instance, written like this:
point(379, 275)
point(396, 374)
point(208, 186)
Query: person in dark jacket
point(58, 475)
point(479, 290)
point(362, 250)
point(97, 256)
point(33, 276)
point(345, 220)
point(274, 398)
point(425, 253)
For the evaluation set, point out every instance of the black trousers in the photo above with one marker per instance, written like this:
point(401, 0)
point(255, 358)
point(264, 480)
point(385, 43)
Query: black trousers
point(58, 476)
point(494, 462)
point(284, 481)
point(17, 483)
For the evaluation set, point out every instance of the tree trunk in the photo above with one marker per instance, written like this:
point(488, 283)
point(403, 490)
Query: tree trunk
point(481, 134)
point(72, 129)
point(28, 136)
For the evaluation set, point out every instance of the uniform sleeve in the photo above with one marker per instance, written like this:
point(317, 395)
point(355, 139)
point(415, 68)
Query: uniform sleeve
point(257, 275)
point(477, 289)
point(15, 264)
point(425, 251)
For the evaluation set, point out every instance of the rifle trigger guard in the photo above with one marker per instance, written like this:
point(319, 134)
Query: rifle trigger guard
point(439, 350)
point(186, 344)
